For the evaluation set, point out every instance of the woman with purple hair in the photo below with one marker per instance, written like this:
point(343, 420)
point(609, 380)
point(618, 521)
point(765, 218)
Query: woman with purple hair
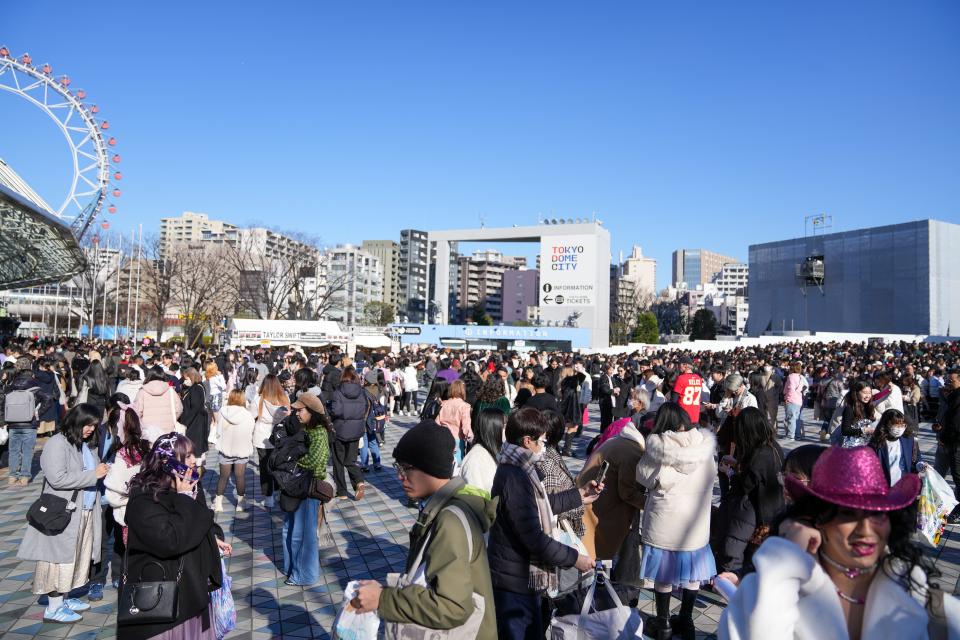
point(171, 527)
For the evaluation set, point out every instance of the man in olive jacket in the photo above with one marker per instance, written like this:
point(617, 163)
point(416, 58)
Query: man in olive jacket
point(451, 572)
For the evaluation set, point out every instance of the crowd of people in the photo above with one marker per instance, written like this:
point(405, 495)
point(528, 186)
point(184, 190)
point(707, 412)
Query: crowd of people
point(814, 543)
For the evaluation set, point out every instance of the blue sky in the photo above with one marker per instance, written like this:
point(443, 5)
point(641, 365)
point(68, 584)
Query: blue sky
point(678, 124)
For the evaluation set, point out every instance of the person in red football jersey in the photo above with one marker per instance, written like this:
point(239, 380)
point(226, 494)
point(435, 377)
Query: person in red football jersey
point(687, 389)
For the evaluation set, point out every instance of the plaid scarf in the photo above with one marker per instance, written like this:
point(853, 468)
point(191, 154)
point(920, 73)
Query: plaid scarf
point(541, 580)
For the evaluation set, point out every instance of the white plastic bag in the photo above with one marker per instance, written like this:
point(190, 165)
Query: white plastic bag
point(936, 503)
point(351, 625)
point(618, 623)
point(4, 436)
point(572, 578)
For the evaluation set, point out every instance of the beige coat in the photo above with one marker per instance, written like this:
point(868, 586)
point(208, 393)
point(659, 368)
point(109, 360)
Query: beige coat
point(622, 496)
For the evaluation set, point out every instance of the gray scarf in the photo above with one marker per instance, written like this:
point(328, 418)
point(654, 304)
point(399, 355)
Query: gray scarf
point(541, 580)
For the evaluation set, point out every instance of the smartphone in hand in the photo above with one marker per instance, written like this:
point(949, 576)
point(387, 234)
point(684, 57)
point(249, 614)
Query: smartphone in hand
point(602, 475)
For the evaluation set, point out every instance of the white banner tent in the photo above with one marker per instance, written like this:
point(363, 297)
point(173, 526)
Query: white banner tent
point(372, 341)
point(246, 332)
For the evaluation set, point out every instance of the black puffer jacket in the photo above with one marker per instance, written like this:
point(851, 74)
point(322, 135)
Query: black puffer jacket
point(517, 536)
point(349, 410)
point(176, 526)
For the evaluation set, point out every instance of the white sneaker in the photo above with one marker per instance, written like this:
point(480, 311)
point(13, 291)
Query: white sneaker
point(268, 502)
point(240, 504)
point(218, 504)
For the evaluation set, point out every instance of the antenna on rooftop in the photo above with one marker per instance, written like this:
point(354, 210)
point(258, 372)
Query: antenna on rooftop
point(813, 224)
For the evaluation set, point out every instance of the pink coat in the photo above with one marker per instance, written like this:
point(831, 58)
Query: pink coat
point(794, 389)
point(455, 415)
point(152, 404)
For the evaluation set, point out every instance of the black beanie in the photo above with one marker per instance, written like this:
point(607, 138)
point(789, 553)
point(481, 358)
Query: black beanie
point(429, 448)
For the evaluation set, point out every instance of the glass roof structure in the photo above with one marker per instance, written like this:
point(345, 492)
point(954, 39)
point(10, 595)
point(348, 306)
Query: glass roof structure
point(35, 246)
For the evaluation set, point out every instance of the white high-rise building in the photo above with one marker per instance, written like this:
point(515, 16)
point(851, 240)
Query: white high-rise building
point(355, 278)
point(388, 253)
point(480, 282)
point(188, 227)
point(732, 279)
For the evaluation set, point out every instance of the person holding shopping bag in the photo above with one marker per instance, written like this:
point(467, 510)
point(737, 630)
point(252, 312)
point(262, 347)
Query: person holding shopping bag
point(447, 581)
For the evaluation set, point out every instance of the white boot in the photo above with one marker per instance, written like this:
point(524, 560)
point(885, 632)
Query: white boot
point(240, 504)
point(218, 504)
point(268, 503)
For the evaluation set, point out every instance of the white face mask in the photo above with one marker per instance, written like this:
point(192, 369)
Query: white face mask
point(896, 432)
point(536, 457)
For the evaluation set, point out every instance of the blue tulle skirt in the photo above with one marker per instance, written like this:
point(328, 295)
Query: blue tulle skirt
point(677, 568)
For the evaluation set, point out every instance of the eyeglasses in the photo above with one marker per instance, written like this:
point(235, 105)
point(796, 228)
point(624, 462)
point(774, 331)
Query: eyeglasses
point(403, 469)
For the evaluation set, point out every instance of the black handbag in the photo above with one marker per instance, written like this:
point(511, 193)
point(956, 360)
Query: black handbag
point(50, 514)
point(148, 602)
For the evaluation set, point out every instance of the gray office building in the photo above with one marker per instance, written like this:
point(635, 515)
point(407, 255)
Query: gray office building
point(896, 279)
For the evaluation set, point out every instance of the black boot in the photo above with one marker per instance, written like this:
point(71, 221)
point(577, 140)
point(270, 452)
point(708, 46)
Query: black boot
point(658, 627)
point(682, 624)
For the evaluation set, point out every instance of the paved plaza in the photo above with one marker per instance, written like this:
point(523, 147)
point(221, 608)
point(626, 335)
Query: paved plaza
point(365, 539)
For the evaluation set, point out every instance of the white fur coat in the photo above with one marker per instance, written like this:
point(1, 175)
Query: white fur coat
point(790, 597)
point(678, 469)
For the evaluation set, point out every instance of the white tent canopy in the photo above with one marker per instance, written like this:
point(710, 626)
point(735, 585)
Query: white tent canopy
point(305, 333)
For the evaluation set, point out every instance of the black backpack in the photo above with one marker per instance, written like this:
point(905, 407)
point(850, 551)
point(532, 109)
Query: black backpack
point(287, 451)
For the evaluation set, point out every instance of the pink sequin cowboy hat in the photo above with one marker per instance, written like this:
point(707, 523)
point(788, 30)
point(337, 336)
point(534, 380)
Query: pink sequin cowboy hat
point(854, 478)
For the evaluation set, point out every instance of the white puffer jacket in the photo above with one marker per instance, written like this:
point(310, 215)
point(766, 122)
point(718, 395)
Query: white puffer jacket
point(678, 469)
point(265, 419)
point(235, 431)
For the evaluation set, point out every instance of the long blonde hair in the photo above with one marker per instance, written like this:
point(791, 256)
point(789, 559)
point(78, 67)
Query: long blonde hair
point(211, 370)
point(272, 391)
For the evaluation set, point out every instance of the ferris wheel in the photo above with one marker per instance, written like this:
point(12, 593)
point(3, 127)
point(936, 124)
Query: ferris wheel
point(90, 188)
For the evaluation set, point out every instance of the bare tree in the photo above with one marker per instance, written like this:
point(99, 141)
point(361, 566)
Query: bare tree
point(204, 288)
point(94, 289)
point(157, 275)
point(281, 277)
point(328, 296)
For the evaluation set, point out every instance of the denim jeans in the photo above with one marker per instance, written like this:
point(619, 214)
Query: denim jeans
point(793, 419)
point(301, 550)
point(369, 446)
point(21, 444)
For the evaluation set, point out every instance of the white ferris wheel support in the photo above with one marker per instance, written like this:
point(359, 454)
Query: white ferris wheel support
point(90, 186)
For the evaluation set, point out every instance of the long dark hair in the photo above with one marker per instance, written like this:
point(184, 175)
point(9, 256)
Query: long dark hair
point(76, 419)
point(134, 444)
point(861, 410)
point(438, 390)
point(671, 417)
point(751, 433)
point(756, 388)
point(488, 430)
point(903, 522)
point(113, 416)
point(156, 470)
point(96, 379)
